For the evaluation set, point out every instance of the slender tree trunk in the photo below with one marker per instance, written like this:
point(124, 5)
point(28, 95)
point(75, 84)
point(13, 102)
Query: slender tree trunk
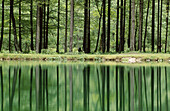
point(121, 27)
point(10, 28)
point(140, 24)
point(71, 26)
point(132, 45)
point(98, 36)
point(88, 49)
point(108, 27)
point(38, 31)
point(14, 26)
point(153, 24)
point(44, 45)
point(158, 28)
point(58, 27)
point(66, 26)
point(31, 22)
point(124, 24)
point(47, 24)
point(129, 35)
point(117, 27)
point(41, 25)
point(104, 27)
point(159, 44)
point(20, 38)
point(167, 9)
point(136, 28)
point(86, 44)
point(146, 26)
point(2, 26)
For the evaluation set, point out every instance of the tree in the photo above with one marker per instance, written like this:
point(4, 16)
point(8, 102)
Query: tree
point(132, 45)
point(2, 27)
point(108, 27)
point(10, 28)
point(146, 25)
point(167, 9)
point(31, 22)
point(66, 26)
point(121, 28)
point(20, 39)
point(100, 13)
point(129, 34)
point(44, 28)
point(48, 13)
point(14, 26)
point(159, 43)
point(153, 24)
point(104, 27)
point(117, 27)
point(71, 25)
point(124, 24)
point(39, 28)
point(58, 28)
point(140, 24)
point(86, 41)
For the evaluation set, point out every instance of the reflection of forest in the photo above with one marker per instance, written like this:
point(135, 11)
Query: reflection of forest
point(84, 87)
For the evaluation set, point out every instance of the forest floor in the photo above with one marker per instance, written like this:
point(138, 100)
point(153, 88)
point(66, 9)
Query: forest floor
point(124, 57)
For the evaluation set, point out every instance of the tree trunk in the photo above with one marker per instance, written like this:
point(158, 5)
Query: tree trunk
point(132, 45)
point(136, 28)
point(121, 27)
point(167, 9)
point(2, 26)
point(124, 24)
point(58, 27)
point(20, 38)
point(159, 44)
point(146, 25)
point(153, 24)
point(10, 28)
point(44, 45)
point(71, 26)
point(31, 22)
point(98, 36)
point(158, 28)
point(140, 24)
point(86, 42)
point(104, 27)
point(39, 28)
point(66, 26)
point(117, 27)
point(129, 35)
point(14, 26)
point(108, 27)
point(48, 13)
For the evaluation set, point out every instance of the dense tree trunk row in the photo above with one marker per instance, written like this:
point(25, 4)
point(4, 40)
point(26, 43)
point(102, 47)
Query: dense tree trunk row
point(136, 38)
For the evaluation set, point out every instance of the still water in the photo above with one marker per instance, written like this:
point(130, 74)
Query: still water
point(84, 87)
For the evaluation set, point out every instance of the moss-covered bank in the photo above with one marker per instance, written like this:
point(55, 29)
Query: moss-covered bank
point(128, 57)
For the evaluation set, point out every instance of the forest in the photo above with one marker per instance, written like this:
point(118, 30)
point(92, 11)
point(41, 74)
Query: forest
point(89, 26)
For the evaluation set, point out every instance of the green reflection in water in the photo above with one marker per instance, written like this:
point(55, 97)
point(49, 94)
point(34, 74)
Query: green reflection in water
point(84, 87)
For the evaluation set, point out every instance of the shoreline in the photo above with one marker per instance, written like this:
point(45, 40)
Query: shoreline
point(127, 57)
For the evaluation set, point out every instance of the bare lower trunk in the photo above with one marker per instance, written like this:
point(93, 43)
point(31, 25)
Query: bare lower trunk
point(132, 45)
point(71, 26)
point(2, 26)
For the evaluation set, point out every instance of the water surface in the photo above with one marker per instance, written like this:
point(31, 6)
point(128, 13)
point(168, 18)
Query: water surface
point(84, 87)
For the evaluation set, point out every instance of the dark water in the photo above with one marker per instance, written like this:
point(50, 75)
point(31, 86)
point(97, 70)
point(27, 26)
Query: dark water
point(83, 87)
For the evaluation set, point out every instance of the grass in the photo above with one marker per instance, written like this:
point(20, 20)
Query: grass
point(87, 57)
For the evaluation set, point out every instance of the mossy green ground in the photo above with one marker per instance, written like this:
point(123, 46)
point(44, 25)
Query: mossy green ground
point(86, 57)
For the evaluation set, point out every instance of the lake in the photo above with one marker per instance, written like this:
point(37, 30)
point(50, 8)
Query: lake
point(36, 86)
